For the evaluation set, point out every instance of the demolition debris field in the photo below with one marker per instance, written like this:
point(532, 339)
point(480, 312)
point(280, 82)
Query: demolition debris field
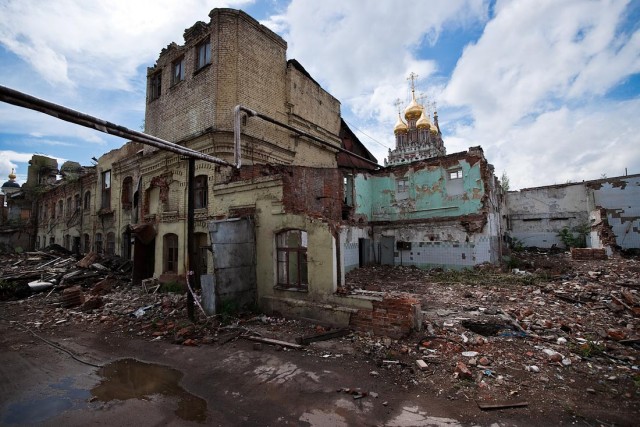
point(551, 336)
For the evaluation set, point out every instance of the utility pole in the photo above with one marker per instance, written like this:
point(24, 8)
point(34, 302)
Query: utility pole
point(191, 256)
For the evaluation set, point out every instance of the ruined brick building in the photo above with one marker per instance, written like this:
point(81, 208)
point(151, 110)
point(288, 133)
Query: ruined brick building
point(283, 229)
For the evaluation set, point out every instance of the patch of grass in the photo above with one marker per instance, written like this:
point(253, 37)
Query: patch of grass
point(484, 278)
point(171, 287)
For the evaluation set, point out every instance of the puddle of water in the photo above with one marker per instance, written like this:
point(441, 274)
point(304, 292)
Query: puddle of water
point(62, 396)
point(131, 379)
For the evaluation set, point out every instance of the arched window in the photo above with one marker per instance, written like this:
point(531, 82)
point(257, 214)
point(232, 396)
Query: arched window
point(60, 209)
point(170, 253)
point(87, 200)
point(111, 243)
point(291, 248)
point(87, 243)
point(200, 191)
point(98, 243)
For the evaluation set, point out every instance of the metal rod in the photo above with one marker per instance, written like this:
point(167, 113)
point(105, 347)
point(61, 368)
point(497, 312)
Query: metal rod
point(20, 99)
point(252, 113)
point(191, 258)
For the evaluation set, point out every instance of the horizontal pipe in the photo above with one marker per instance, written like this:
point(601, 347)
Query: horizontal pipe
point(20, 99)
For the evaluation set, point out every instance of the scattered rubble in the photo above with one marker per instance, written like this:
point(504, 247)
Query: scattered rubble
point(568, 330)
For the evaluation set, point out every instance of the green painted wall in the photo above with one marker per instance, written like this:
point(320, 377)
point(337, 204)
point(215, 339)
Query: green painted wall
point(430, 194)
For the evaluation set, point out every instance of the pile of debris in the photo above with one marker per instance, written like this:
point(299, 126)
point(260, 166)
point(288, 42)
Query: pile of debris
point(55, 269)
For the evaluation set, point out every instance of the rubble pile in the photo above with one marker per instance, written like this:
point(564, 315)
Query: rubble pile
point(551, 329)
point(552, 325)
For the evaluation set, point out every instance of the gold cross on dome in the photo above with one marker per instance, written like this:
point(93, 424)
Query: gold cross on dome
point(413, 77)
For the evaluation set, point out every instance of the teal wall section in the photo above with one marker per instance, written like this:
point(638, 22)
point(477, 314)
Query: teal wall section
point(430, 193)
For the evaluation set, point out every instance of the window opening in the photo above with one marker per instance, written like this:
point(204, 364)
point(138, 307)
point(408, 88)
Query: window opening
point(292, 258)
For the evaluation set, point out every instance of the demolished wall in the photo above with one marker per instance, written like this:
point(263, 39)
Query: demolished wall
point(536, 215)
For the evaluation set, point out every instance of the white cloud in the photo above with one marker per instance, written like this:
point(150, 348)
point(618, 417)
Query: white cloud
point(536, 52)
point(99, 43)
point(363, 51)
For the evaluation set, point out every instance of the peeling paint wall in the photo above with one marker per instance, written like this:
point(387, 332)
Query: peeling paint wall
point(620, 197)
point(536, 215)
point(429, 192)
point(445, 212)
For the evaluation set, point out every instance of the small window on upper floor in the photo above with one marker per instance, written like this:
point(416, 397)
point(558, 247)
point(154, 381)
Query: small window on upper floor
point(178, 71)
point(203, 54)
point(200, 191)
point(455, 174)
point(402, 185)
point(155, 86)
point(87, 200)
point(106, 190)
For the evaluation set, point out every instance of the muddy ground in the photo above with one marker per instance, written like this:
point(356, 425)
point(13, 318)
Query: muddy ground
point(556, 338)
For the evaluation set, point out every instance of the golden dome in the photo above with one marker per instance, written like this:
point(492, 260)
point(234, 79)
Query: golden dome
point(413, 110)
point(12, 175)
point(434, 129)
point(400, 127)
point(423, 122)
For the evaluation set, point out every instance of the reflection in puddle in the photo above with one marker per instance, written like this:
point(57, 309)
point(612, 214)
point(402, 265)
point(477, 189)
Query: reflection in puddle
point(63, 396)
point(131, 379)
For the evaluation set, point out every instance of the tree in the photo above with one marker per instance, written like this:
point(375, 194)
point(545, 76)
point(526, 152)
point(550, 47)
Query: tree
point(504, 182)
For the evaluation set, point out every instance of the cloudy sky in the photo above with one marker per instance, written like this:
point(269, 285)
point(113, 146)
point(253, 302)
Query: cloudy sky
point(549, 88)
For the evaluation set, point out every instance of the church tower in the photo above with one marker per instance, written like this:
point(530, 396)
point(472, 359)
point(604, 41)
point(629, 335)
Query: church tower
point(418, 138)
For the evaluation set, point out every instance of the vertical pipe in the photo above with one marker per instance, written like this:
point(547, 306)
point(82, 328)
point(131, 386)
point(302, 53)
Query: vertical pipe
point(190, 243)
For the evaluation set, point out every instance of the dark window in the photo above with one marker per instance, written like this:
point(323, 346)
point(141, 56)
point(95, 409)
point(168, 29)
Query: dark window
point(291, 248)
point(68, 213)
point(170, 253)
point(178, 71)
point(78, 203)
point(200, 191)
point(99, 243)
point(203, 54)
point(155, 86)
point(60, 209)
point(127, 192)
point(111, 244)
point(67, 242)
point(87, 200)
point(106, 190)
point(202, 253)
point(87, 243)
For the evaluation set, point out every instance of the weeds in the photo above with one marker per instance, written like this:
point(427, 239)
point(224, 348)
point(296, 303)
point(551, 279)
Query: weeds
point(587, 349)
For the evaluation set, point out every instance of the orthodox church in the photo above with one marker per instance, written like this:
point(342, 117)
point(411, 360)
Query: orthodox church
point(417, 138)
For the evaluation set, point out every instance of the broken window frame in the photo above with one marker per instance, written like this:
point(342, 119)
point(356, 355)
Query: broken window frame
point(155, 86)
point(203, 54)
point(292, 270)
point(454, 174)
point(402, 185)
point(170, 253)
point(126, 195)
point(200, 191)
point(87, 200)
point(106, 190)
point(177, 71)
